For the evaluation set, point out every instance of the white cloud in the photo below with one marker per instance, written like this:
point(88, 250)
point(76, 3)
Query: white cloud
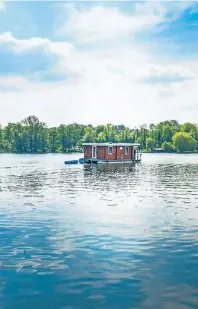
point(165, 73)
point(103, 23)
point(1, 5)
point(110, 97)
point(25, 45)
point(13, 82)
point(99, 23)
point(107, 84)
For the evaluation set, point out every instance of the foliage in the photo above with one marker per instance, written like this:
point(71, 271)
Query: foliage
point(183, 141)
point(150, 143)
point(167, 147)
point(33, 136)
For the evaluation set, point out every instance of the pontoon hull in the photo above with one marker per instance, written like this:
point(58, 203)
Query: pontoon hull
point(95, 161)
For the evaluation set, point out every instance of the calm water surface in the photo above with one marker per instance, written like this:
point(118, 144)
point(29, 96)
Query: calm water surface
point(101, 237)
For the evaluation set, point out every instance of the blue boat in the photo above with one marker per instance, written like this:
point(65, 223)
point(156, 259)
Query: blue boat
point(71, 162)
point(82, 161)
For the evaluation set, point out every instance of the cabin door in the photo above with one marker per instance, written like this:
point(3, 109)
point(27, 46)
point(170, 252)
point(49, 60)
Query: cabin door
point(121, 153)
point(94, 152)
point(135, 154)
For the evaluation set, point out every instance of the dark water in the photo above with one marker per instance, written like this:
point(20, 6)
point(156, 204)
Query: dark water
point(104, 237)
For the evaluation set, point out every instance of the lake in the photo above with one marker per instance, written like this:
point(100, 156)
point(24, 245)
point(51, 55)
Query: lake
point(101, 237)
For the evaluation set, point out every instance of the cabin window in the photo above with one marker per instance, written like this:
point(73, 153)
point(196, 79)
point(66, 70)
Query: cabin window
point(110, 149)
point(126, 150)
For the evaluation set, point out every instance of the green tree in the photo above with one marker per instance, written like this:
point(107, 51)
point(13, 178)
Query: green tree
point(100, 137)
point(9, 138)
point(150, 143)
point(53, 140)
point(167, 147)
point(34, 129)
point(31, 135)
point(190, 128)
point(183, 141)
point(151, 130)
point(62, 137)
point(1, 140)
point(167, 133)
point(89, 136)
point(143, 134)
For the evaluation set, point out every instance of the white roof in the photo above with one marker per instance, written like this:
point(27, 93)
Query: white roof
point(111, 144)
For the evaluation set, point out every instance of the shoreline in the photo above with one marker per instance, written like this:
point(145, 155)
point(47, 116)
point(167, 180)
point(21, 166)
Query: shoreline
point(76, 152)
point(165, 152)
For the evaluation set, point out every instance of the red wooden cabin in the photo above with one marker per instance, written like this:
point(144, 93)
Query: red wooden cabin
point(111, 152)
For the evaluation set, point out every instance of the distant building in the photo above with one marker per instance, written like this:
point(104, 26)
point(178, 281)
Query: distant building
point(157, 150)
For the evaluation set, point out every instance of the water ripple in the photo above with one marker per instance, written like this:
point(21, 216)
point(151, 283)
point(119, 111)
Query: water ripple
point(79, 237)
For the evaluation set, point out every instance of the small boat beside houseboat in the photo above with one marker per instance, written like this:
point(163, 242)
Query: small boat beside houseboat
point(111, 153)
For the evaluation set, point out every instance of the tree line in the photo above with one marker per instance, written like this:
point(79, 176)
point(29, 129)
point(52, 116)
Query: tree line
point(33, 136)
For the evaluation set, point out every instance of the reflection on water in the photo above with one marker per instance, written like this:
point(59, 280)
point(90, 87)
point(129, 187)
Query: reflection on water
point(98, 236)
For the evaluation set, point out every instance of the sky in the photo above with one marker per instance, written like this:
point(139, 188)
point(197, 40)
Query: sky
point(95, 62)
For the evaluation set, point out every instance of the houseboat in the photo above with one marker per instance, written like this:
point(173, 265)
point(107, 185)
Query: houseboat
point(111, 153)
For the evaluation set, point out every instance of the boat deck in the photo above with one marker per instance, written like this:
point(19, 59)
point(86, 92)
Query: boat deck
point(96, 161)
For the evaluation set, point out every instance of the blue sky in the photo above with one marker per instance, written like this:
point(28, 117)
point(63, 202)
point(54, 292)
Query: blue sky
point(99, 62)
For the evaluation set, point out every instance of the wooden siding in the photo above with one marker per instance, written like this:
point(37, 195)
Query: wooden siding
point(111, 156)
point(88, 152)
point(102, 153)
point(121, 153)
